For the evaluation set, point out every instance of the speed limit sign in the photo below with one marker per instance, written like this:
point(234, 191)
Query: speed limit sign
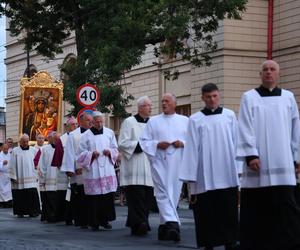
point(88, 95)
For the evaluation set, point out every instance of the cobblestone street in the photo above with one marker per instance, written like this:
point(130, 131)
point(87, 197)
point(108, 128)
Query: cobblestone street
point(31, 234)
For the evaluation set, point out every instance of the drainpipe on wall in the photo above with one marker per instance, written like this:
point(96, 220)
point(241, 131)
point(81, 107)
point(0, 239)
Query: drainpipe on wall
point(270, 29)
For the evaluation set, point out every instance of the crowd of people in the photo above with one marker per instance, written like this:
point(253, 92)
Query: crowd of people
point(74, 174)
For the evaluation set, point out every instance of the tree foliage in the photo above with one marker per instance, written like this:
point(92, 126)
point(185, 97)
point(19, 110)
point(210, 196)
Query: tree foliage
point(111, 36)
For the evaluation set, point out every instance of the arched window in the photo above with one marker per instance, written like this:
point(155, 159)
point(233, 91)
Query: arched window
point(70, 59)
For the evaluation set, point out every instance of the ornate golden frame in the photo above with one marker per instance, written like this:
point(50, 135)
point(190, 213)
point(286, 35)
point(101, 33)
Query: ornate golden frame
point(47, 87)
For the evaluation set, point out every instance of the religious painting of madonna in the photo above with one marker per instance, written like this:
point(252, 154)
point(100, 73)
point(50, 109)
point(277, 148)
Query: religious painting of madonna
point(40, 105)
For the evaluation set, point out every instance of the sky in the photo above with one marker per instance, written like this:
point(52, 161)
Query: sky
point(2, 65)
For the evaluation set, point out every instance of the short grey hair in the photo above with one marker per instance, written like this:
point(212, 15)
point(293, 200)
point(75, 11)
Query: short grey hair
point(83, 116)
point(24, 136)
point(97, 114)
point(141, 101)
point(171, 95)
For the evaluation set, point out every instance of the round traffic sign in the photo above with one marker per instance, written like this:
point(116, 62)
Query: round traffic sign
point(88, 95)
point(88, 110)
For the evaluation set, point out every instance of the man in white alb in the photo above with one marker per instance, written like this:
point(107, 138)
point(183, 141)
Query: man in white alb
point(5, 185)
point(24, 177)
point(268, 139)
point(209, 163)
point(135, 172)
point(163, 141)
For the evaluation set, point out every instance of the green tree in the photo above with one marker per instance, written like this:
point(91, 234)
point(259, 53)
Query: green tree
point(111, 36)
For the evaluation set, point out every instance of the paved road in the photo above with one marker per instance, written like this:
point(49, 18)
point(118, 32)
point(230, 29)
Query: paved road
point(31, 234)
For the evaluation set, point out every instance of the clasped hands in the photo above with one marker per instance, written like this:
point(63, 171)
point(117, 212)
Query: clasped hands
point(164, 144)
point(96, 153)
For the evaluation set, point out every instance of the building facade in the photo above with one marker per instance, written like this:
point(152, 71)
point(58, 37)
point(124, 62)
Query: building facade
point(242, 46)
point(2, 124)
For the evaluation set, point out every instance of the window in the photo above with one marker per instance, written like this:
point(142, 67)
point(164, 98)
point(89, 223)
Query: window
point(115, 124)
point(71, 60)
point(184, 109)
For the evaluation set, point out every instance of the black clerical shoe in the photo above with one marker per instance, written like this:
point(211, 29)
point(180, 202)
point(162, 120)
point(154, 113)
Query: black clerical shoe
point(162, 232)
point(69, 223)
point(173, 234)
point(172, 231)
point(84, 227)
point(33, 215)
point(140, 230)
point(20, 216)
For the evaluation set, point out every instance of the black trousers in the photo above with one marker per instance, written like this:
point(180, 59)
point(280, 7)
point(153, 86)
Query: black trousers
point(26, 201)
point(101, 209)
point(79, 205)
point(216, 217)
point(270, 218)
point(139, 200)
point(63, 212)
point(49, 206)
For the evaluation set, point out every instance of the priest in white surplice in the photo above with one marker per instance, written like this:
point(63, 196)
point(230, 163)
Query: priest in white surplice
point(97, 154)
point(209, 163)
point(78, 198)
point(24, 179)
point(5, 185)
point(268, 142)
point(135, 172)
point(48, 180)
point(163, 141)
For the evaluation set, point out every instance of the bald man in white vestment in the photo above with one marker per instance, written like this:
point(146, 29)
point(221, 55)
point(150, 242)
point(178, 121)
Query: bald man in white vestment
point(24, 177)
point(268, 139)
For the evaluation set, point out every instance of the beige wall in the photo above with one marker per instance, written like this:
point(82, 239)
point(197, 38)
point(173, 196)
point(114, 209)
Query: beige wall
point(287, 43)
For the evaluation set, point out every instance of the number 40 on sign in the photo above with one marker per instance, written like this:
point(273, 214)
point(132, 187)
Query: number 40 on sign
point(88, 95)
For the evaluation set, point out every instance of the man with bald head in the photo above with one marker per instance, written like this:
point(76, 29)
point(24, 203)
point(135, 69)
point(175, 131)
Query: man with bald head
point(268, 142)
point(163, 141)
point(23, 173)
